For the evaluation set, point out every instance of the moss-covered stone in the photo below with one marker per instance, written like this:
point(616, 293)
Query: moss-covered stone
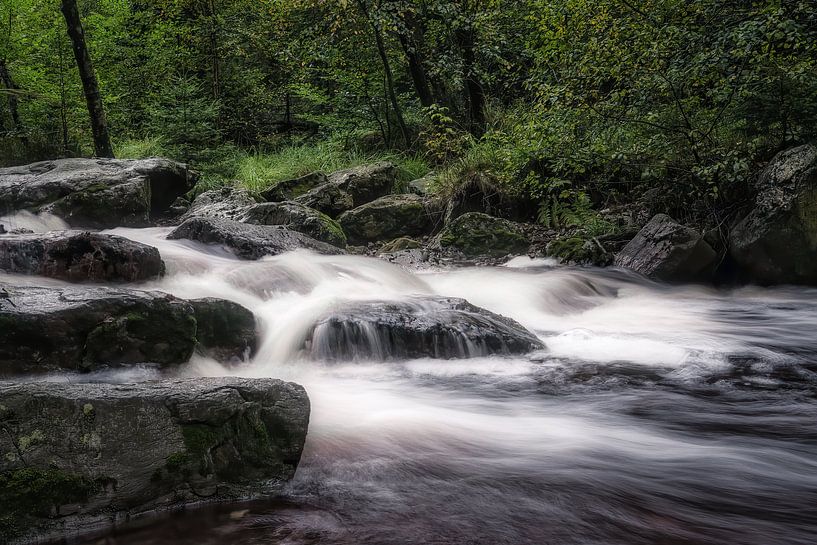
point(390, 217)
point(297, 217)
point(479, 235)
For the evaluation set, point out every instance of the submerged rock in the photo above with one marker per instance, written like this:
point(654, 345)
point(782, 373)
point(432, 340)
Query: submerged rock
point(80, 329)
point(430, 327)
point(79, 256)
point(77, 457)
point(347, 189)
point(390, 217)
point(297, 217)
point(777, 241)
point(99, 193)
point(668, 251)
point(246, 240)
point(479, 235)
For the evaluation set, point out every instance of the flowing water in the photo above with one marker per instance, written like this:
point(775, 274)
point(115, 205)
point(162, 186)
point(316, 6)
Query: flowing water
point(657, 415)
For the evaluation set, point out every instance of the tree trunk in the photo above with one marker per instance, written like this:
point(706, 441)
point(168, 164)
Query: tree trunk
point(474, 94)
point(398, 113)
point(411, 47)
point(11, 87)
point(99, 126)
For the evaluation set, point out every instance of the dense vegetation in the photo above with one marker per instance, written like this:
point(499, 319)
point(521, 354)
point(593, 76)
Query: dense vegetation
point(573, 104)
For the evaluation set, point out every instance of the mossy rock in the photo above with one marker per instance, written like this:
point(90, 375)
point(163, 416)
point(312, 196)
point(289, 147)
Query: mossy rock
point(289, 189)
point(297, 217)
point(479, 235)
point(388, 218)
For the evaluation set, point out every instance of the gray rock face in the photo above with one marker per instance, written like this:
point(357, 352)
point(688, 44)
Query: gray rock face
point(390, 217)
point(777, 242)
point(668, 251)
point(79, 256)
point(297, 217)
point(80, 329)
point(246, 240)
point(98, 193)
point(76, 457)
point(226, 202)
point(225, 330)
point(347, 189)
point(477, 235)
point(430, 327)
point(290, 189)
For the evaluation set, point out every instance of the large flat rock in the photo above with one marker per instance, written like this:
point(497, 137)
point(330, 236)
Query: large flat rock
point(46, 329)
point(78, 457)
point(78, 256)
point(247, 240)
point(98, 193)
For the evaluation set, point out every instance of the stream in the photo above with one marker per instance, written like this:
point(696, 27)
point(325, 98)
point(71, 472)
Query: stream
point(657, 415)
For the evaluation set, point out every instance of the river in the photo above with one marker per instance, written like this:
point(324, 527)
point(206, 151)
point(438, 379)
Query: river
point(657, 415)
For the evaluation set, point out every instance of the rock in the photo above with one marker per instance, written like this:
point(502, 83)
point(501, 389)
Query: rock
point(81, 329)
point(290, 189)
point(75, 458)
point(249, 241)
point(225, 330)
point(429, 327)
point(668, 251)
point(421, 186)
point(2, 229)
point(479, 235)
point(297, 217)
point(777, 241)
point(399, 245)
point(347, 189)
point(79, 256)
point(225, 202)
point(328, 198)
point(389, 217)
point(98, 193)
point(481, 193)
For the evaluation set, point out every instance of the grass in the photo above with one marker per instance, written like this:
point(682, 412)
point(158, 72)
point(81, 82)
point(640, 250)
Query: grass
point(258, 170)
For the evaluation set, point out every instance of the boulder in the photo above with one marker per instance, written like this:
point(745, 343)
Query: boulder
point(249, 241)
point(290, 189)
point(399, 245)
point(390, 217)
point(81, 329)
point(225, 330)
point(225, 202)
point(422, 186)
point(481, 192)
point(76, 458)
point(79, 256)
point(668, 251)
point(98, 193)
point(777, 241)
point(347, 189)
point(428, 327)
point(479, 235)
point(297, 217)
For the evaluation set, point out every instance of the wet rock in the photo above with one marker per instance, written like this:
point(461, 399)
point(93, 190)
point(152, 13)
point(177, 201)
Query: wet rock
point(390, 217)
point(297, 217)
point(81, 329)
point(290, 189)
point(777, 241)
point(347, 189)
point(399, 245)
point(79, 256)
point(225, 202)
point(76, 458)
point(430, 327)
point(668, 251)
point(479, 235)
point(225, 330)
point(98, 193)
point(249, 241)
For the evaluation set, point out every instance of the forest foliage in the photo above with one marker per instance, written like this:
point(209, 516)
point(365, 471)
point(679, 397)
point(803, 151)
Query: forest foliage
point(564, 101)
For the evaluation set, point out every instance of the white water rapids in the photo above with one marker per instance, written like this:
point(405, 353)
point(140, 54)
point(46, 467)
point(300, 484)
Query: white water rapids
point(657, 415)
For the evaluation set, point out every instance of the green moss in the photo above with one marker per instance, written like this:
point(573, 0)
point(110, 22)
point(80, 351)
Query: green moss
point(27, 441)
point(200, 438)
point(29, 494)
point(88, 410)
point(475, 234)
point(176, 461)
